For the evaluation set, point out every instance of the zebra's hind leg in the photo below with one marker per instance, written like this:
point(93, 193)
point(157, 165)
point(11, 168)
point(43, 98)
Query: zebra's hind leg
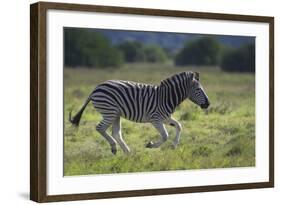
point(102, 127)
point(116, 133)
point(163, 135)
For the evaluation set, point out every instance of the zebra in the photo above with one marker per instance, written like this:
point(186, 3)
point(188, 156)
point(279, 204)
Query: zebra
point(143, 103)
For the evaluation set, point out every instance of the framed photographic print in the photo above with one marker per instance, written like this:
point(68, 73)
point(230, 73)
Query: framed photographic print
point(134, 102)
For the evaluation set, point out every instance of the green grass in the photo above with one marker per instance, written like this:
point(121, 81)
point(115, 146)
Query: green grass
point(223, 136)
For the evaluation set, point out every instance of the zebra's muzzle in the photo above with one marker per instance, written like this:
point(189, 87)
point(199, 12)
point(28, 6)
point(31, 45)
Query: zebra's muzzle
point(206, 105)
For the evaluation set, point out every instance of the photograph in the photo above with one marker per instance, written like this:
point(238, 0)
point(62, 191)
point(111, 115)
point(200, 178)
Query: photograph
point(146, 101)
point(132, 102)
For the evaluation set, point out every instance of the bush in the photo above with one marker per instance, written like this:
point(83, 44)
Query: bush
point(154, 53)
point(135, 51)
point(132, 51)
point(89, 49)
point(203, 51)
point(241, 59)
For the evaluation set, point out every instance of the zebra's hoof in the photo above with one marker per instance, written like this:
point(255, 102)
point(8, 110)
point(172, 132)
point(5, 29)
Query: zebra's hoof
point(149, 145)
point(114, 150)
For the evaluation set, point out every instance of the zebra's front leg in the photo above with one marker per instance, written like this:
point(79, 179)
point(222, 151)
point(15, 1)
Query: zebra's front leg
point(163, 135)
point(171, 121)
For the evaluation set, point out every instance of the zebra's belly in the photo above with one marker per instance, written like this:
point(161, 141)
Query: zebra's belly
point(118, 111)
point(141, 119)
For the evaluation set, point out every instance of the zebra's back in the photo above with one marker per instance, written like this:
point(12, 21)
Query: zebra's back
point(133, 101)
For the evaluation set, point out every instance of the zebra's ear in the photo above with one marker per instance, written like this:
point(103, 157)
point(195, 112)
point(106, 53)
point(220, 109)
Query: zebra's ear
point(196, 76)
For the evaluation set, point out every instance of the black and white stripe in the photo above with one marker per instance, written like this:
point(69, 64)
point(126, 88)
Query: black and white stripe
point(140, 102)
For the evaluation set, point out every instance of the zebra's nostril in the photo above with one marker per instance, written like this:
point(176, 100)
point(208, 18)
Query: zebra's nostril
point(206, 105)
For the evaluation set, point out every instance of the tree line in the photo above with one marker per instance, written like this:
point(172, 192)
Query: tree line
point(85, 48)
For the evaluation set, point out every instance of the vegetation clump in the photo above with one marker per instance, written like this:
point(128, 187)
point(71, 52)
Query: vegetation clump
point(202, 51)
point(84, 48)
point(241, 59)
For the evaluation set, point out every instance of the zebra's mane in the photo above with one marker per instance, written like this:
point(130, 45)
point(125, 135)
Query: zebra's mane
point(174, 78)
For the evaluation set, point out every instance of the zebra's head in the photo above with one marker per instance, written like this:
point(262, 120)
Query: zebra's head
point(196, 91)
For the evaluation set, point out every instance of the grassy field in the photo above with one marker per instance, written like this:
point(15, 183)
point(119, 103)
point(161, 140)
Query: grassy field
point(223, 136)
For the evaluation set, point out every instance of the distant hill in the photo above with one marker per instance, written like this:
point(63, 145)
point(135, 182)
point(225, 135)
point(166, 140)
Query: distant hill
point(170, 41)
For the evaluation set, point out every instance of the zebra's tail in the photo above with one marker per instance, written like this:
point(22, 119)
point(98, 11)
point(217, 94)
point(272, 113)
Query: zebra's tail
point(76, 119)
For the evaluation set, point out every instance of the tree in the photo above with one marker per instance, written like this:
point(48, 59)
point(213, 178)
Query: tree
point(241, 59)
point(154, 53)
point(89, 49)
point(132, 51)
point(202, 51)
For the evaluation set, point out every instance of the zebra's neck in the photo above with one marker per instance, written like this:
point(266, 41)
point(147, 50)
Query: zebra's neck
point(172, 93)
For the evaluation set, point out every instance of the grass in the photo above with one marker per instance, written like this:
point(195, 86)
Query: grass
point(223, 136)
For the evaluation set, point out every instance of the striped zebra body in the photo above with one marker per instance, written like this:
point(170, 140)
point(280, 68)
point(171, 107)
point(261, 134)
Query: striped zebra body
point(131, 100)
point(143, 103)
